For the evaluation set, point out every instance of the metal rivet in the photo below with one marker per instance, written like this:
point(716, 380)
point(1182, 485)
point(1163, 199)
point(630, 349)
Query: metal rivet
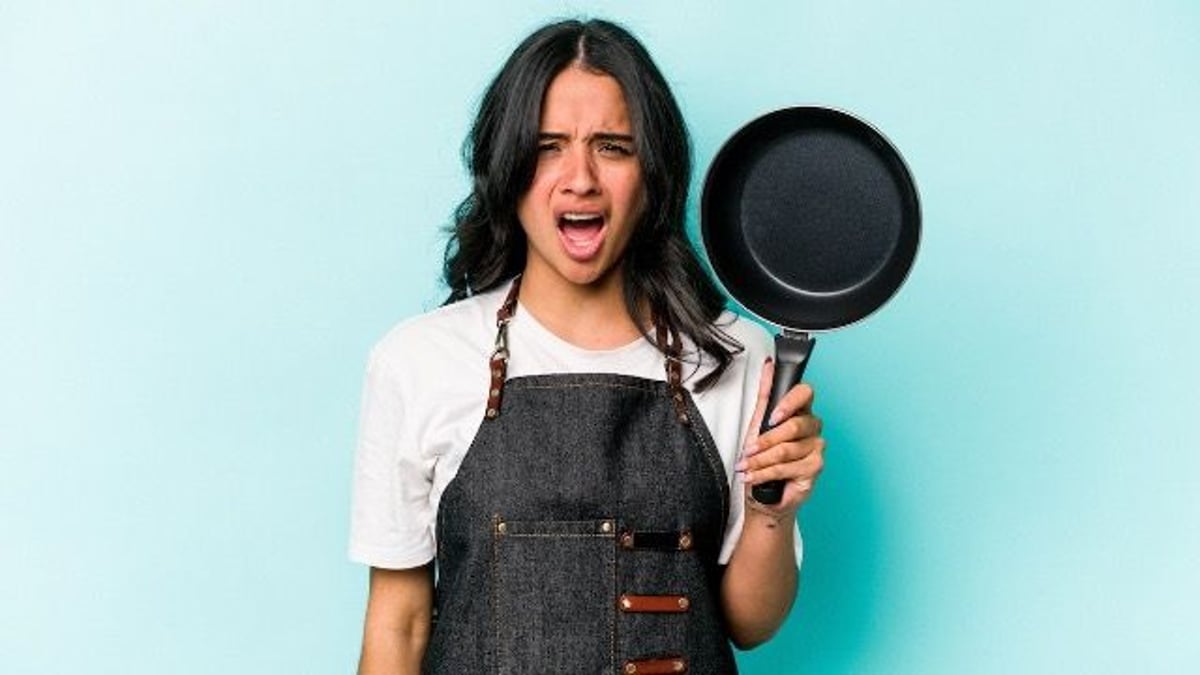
point(626, 603)
point(678, 396)
point(491, 413)
point(496, 373)
point(495, 392)
point(502, 527)
point(685, 541)
point(678, 665)
point(606, 526)
point(683, 418)
point(684, 603)
point(631, 668)
point(627, 540)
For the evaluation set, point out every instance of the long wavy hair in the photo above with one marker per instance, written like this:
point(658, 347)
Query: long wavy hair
point(487, 245)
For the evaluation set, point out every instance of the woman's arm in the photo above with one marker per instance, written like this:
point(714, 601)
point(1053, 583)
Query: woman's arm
point(761, 579)
point(397, 625)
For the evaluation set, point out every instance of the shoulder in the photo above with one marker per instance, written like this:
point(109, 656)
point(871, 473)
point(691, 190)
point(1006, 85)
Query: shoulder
point(454, 334)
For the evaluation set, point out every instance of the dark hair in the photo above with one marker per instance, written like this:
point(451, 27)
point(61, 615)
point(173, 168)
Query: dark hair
point(660, 269)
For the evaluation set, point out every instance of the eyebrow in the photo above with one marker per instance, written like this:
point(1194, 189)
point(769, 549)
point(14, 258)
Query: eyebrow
point(599, 136)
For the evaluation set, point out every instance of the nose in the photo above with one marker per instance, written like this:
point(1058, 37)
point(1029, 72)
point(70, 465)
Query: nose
point(579, 177)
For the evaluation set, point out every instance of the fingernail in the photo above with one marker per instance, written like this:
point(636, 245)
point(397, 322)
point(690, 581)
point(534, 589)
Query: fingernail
point(776, 417)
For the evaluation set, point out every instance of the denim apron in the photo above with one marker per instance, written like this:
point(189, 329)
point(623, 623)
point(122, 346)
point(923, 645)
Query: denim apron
point(581, 532)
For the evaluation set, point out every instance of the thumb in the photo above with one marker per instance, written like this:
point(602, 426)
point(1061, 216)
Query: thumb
point(760, 405)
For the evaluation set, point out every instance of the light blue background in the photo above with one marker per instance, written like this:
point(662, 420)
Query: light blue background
point(210, 210)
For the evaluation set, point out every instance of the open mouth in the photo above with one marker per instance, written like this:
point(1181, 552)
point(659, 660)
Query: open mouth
point(581, 233)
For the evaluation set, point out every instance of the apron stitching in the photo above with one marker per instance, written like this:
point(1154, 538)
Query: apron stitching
point(612, 613)
point(495, 582)
point(588, 385)
point(561, 536)
point(714, 464)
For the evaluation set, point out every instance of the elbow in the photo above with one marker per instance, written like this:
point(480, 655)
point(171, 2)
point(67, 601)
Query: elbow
point(756, 604)
point(746, 640)
point(753, 619)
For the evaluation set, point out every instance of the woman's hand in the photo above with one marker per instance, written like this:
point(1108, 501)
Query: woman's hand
point(792, 451)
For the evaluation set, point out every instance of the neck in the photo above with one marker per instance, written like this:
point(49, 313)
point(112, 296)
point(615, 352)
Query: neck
point(591, 316)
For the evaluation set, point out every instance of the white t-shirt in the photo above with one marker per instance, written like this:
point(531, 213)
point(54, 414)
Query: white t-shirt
point(425, 394)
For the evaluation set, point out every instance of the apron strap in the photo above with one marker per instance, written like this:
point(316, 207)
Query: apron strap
point(668, 343)
point(499, 361)
point(666, 339)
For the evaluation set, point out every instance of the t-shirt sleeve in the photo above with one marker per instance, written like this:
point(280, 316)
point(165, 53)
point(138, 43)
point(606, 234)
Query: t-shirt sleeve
point(391, 516)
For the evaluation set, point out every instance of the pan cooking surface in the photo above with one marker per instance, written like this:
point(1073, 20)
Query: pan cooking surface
point(819, 211)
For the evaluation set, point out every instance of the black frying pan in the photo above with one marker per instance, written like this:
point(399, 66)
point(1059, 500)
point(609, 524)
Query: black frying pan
point(810, 219)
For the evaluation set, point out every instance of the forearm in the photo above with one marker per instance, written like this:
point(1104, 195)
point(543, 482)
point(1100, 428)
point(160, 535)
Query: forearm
point(390, 650)
point(398, 622)
point(760, 582)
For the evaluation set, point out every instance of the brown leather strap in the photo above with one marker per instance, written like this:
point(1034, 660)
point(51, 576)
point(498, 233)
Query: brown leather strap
point(654, 604)
point(668, 343)
point(666, 666)
point(498, 364)
point(509, 306)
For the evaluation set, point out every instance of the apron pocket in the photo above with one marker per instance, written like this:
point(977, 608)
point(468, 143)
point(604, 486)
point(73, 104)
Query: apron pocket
point(552, 596)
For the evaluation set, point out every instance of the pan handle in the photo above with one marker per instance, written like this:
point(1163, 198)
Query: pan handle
point(791, 356)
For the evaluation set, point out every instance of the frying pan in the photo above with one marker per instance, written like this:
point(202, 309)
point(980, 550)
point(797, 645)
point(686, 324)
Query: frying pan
point(810, 220)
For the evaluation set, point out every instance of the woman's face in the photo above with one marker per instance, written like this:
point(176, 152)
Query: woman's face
point(587, 195)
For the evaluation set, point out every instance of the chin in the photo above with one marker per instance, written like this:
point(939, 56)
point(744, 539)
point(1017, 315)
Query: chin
point(588, 274)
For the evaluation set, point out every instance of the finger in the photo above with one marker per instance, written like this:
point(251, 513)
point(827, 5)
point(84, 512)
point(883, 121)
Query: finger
point(797, 399)
point(805, 469)
point(760, 405)
point(783, 453)
point(791, 429)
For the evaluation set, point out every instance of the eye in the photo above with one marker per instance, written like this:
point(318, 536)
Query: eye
point(546, 147)
point(616, 148)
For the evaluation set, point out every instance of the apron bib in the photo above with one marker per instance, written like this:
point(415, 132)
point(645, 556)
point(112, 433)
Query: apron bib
point(581, 532)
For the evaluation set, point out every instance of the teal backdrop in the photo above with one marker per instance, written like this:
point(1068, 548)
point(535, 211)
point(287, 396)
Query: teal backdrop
point(211, 209)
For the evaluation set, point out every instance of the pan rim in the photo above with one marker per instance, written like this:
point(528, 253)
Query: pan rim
point(905, 172)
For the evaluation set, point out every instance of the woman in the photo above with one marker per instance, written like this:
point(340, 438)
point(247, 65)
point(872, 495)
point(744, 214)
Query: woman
point(568, 440)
